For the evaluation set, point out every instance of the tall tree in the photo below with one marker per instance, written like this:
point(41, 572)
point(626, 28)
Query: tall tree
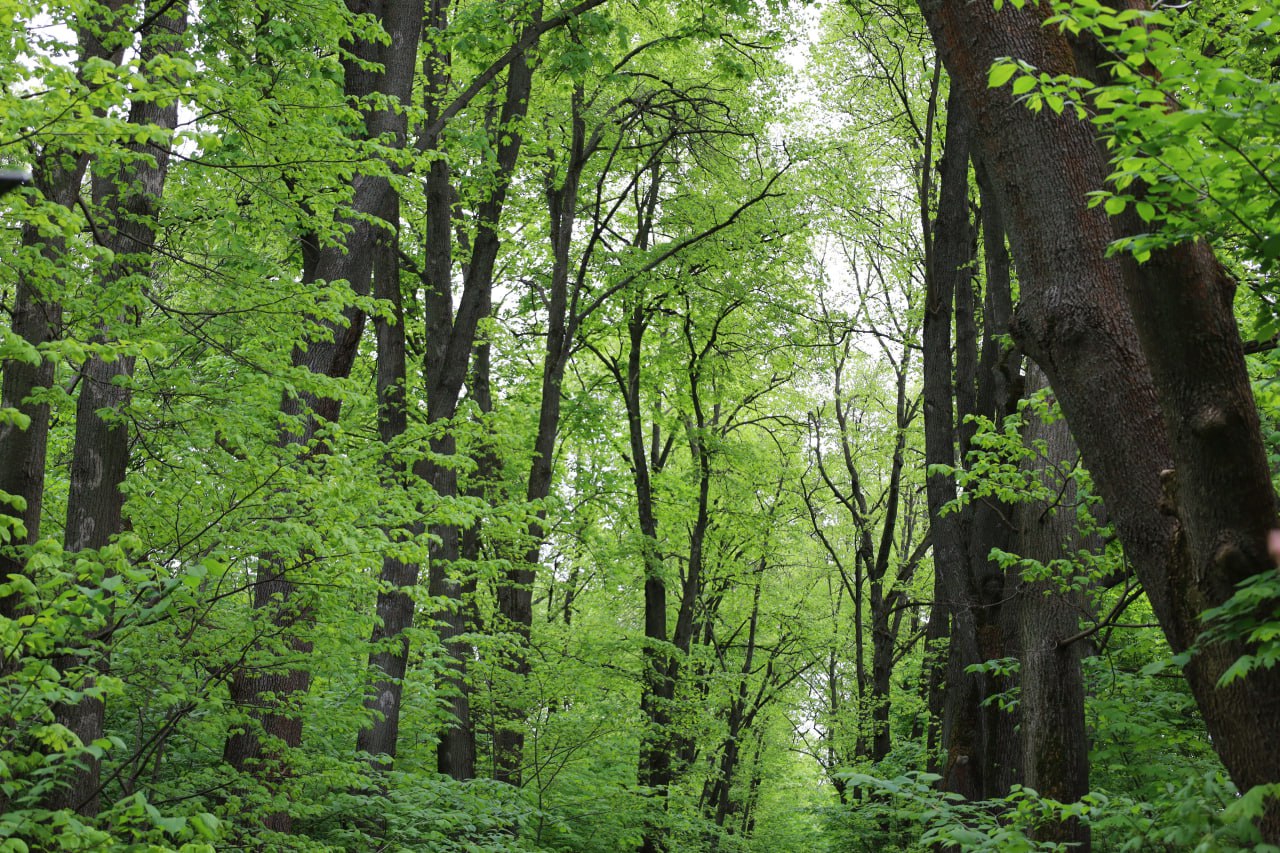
point(127, 188)
point(377, 75)
point(1147, 363)
point(1054, 744)
point(450, 341)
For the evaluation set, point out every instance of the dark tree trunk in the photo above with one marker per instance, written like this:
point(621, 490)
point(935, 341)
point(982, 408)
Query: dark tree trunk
point(515, 596)
point(950, 243)
point(937, 633)
point(1055, 746)
point(100, 454)
point(451, 341)
point(271, 694)
point(716, 795)
point(997, 387)
point(36, 320)
point(389, 657)
point(390, 645)
point(1148, 366)
point(883, 593)
point(976, 737)
point(657, 685)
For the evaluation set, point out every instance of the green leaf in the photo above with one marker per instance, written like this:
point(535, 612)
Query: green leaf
point(1000, 73)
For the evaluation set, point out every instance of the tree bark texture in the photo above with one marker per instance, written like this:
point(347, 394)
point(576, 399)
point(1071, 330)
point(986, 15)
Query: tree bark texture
point(951, 241)
point(375, 68)
point(1148, 366)
point(1055, 745)
point(37, 317)
point(977, 738)
point(100, 454)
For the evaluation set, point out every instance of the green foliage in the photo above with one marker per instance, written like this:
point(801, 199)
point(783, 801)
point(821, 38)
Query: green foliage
point(421, 811)
point(925, 816)
point(1190, 111)
point(744, 331)
point(1201, 814)
point(1251, 615)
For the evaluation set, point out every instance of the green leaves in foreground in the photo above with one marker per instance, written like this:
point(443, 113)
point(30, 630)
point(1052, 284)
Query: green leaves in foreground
point(1203, 814)
point(1191, 114)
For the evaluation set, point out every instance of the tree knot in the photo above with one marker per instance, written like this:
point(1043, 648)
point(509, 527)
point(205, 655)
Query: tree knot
point(1208, 420)
point(1169, 492)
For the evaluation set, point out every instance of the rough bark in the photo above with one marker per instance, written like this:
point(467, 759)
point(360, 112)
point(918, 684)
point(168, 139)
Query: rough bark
point(1055, 746)
point(100, 454)
point(951, 251)
point(375, 68)
point(37, 315)
point(1148, 366)
point(974, 736)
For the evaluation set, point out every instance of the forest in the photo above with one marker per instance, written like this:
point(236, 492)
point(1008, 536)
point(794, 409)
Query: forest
point(608, 425)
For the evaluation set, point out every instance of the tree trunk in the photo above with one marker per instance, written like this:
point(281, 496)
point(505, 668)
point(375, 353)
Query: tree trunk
point(657, 685)
point(390, 646)
point(951, 250)
point(451, 341)
point(271, 694)
point(1149, 368)
point(515, 596)
point(1055, 747)
point(100, 454)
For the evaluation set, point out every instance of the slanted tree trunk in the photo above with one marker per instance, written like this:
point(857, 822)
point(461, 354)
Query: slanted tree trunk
point(1148, 366)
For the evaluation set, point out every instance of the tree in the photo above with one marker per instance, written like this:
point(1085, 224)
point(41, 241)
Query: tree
point(500, 427)
point(1141, 356)
point(373, 70)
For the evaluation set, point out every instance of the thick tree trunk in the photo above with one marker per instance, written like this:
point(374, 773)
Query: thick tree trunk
point(1148, 366)
point(389, 657)
point(271, 694)
point(37, 320)
point(1055, 746)
point(100, 454)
